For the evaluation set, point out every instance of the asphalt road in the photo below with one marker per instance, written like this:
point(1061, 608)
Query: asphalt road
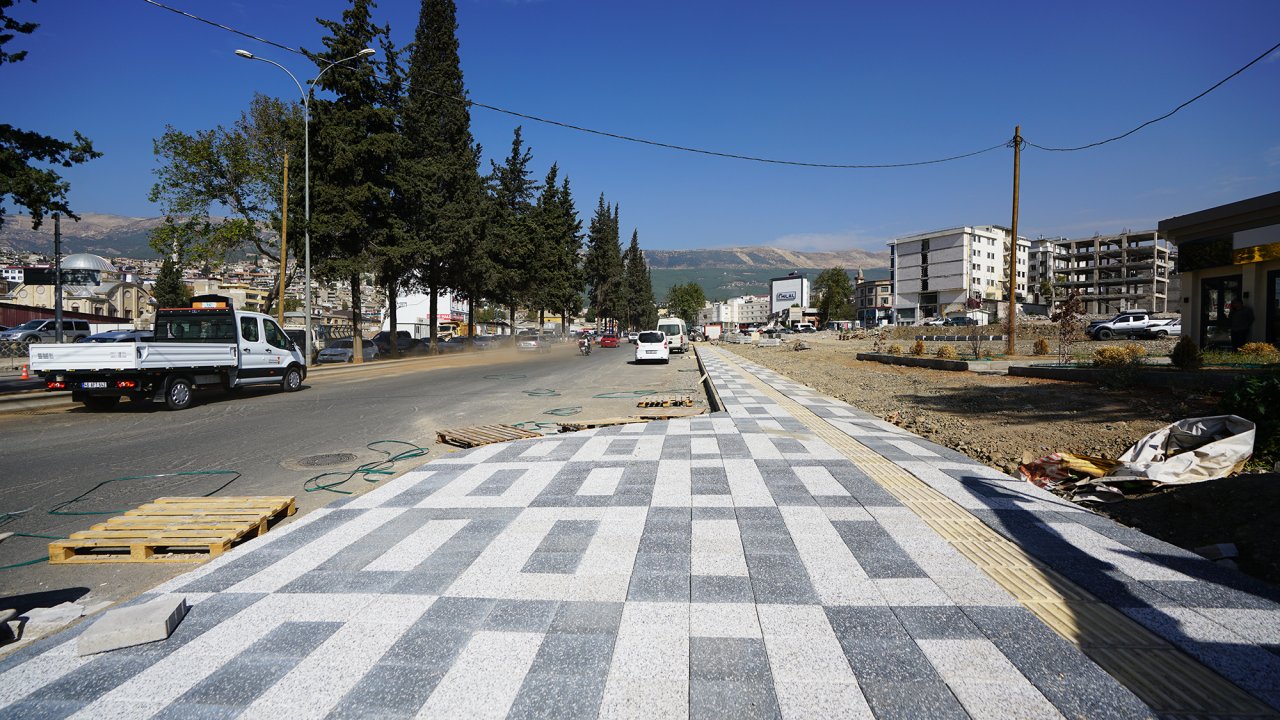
point(272, 438)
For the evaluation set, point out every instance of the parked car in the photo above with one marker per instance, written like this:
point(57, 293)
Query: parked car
point(114, 336)
point(1165, 328)
point(533, 343)
point(340, 351)
point(34, 331)
point(956, 321)
point(609, 340)
point(651, 346)
point(404, 342)
point(457, 343)
point(1130, 324)
point(484, 342)
point(933, 321)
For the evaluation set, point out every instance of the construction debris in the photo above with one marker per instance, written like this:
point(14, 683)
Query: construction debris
point(135, 625)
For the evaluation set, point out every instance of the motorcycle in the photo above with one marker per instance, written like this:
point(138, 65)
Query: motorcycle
point(584, 346)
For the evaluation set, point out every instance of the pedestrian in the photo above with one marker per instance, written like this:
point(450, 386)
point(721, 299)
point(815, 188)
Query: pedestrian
point(1241, 318)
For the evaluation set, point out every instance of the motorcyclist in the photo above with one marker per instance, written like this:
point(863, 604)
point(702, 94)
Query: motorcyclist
point(584, 344)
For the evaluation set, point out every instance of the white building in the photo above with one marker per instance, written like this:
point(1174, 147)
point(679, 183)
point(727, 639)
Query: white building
point(787, 292)
point(953, 272)
point(747, 309)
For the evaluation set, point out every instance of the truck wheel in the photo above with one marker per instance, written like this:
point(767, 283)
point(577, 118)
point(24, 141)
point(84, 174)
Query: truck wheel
point(292, 380)
point(178, 395)
point(1104, 334)
point(1162, 333)
point(100, 403)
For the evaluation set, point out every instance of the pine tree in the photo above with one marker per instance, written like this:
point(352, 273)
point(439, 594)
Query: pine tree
point(639, 290)
point(169, 291)
point(353, 218)
point(440, 178)
point(603, 264)
point(510, 226)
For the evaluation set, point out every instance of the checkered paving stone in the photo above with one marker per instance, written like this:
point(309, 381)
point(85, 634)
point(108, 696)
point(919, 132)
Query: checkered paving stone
point(731, 565)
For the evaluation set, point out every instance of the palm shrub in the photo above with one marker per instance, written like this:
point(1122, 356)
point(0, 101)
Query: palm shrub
point(946, 352)
point(895, 349)
point(1042, 347)
point(918, 348)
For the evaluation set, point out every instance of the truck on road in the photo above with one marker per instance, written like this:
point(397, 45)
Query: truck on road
point(209, 344)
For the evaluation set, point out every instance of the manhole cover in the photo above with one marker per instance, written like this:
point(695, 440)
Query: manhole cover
point(326, 459)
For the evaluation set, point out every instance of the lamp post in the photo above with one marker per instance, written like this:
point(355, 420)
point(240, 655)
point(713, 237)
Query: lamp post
point(306, 129)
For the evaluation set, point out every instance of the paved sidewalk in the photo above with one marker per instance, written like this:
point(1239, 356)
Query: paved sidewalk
point(789, 557)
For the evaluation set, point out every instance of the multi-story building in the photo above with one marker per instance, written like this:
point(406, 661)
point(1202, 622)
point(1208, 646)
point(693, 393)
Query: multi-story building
point(874, 299)
point(1043, 262)
point(949, 272)
point(1117, 272)
point(747, 309)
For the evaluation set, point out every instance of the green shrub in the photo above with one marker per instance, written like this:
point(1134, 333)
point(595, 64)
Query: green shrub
point(918, 348)
point(946, 352)
point(1042, 347)
point(1187, 355)
point(895, 349)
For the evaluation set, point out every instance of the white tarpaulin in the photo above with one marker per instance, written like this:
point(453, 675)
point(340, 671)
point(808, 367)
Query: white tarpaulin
point(1188, 451)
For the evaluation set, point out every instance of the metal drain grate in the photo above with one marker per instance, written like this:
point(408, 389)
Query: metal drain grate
point(326, 459)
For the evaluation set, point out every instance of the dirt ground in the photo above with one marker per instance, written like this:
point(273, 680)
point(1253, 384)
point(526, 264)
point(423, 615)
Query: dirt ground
point(1002, 421)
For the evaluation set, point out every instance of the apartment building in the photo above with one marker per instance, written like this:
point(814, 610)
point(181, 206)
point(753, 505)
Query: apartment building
point(747, 309)
point(874, 299)
point(952, 272)
point(1117, 272)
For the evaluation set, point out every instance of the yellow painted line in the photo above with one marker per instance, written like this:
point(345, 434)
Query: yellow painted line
point(1168, 680)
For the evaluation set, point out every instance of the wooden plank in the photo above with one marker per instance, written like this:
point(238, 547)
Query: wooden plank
point(567, 426)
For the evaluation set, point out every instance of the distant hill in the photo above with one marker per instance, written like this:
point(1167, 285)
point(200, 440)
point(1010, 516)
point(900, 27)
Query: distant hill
point(730, 272)
point(106, 235)
point(722, 272)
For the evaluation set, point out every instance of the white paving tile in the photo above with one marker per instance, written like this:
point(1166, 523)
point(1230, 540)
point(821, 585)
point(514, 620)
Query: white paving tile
point(984, 681)
point(673, 486)
point(716, 549)
point(811, 676)
point(649, 673)
point(485, 678)
point(314, 553)
point(535, 477)
point(601, 481)
point(746, 484)
point(417, 546)
point(39, 671)
point(819, 481)
point(724, 620)
point(834, 572)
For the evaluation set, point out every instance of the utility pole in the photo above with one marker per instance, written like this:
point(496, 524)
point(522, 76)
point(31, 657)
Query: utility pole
point(1010, 333)
point(284, 238)
point(57, 277)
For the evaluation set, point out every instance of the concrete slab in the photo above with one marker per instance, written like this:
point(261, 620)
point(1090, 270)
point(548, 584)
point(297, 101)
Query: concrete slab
point(134, 625)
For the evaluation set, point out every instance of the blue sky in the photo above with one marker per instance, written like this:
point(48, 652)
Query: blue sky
point(835, 81)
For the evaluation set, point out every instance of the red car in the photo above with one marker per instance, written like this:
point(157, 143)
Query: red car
point(609, 340)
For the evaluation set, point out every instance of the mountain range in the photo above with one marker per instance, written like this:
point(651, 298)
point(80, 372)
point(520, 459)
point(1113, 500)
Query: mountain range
point(722, 272)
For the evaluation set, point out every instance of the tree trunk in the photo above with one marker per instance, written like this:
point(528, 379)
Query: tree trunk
point(433, 303)
point(511, 327)
point(357, 341)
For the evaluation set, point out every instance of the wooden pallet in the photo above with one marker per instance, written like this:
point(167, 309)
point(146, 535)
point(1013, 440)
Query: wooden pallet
point(478, 435)
point(604, 422)
point(173, 529)
point(666, 401)
point(670, 412)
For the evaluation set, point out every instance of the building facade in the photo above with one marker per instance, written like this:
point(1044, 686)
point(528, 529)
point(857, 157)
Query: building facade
point(953, 272)
point(1228, 253)
point(747, 309)
point(874, 299)
point(1113, 273)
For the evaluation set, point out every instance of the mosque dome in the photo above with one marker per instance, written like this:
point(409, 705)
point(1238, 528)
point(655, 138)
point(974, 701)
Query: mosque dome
point(87, 261)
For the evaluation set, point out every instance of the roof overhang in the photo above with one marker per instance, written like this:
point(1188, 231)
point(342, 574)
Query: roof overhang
point(1248, 214)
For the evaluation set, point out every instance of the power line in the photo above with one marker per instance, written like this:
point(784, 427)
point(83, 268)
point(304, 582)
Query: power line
point(603, 133)
point(1166, 115)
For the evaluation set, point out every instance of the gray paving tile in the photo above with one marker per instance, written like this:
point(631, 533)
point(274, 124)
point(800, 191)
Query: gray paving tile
point(587, 618)
point(40, 710)
point(720, 589)
point(936, 623)
point(521, 615)
point(911, 699)
point(553, 696)
point(715, 699)
point(728, 659)
point(877, 646)
point(389, 690)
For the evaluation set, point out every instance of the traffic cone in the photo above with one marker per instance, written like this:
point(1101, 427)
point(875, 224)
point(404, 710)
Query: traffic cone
point(25, 375)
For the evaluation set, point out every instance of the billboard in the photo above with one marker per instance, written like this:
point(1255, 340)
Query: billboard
point(44, 276)
point(788, 291)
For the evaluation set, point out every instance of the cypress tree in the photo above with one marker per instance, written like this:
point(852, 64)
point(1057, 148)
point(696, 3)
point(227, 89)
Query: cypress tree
point(510, 226)
point(440, 178)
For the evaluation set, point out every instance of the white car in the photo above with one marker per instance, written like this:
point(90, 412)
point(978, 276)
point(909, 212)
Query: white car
point(652, 345)
point(340, 351)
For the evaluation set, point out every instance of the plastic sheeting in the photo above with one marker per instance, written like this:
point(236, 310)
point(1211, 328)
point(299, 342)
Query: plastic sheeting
point(1188, 451)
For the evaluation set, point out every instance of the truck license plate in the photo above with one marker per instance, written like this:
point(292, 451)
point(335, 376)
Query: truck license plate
point(91, 385)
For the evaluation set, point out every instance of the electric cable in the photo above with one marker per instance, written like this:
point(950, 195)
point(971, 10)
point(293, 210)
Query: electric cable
point(1221, 82)
point(604, 133)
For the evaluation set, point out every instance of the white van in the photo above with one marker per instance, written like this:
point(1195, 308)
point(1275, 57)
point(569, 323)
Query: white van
point(676, 332)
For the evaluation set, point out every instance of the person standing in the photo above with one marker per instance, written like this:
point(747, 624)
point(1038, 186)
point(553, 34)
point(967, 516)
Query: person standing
point(1241, 319)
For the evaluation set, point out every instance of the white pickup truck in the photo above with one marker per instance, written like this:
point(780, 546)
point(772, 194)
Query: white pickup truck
point(208, 344)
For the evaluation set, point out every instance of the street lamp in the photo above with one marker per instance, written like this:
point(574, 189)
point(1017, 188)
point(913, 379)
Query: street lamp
point(306, 127)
